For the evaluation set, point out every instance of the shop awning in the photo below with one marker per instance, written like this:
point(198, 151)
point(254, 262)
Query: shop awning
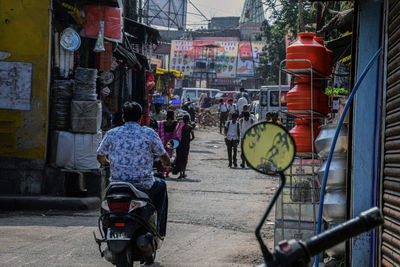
point(341, 47)
point(135, 59)
point(139, 31)
point(176, 73)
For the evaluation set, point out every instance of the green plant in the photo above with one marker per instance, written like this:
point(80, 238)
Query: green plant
point(336, 91)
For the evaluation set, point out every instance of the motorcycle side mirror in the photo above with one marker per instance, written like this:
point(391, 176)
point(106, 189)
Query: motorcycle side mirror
point(172, 144)
point(270, 149)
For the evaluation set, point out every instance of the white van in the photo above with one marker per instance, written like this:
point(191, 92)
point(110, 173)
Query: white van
point(194, 93)
point(269, 99)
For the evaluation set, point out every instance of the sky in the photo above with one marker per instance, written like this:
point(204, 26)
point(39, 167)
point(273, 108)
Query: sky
point(212, 8)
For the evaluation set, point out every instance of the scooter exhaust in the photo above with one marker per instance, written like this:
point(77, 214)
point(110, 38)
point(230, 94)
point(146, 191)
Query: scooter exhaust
point(145, 244)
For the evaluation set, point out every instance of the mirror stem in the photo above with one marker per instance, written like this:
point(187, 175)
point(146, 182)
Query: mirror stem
point(266, 253)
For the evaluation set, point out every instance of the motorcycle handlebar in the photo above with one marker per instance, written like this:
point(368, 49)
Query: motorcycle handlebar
point(366, 221)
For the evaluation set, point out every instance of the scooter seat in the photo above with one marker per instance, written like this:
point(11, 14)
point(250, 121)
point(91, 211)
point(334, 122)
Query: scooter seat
point(115, 187)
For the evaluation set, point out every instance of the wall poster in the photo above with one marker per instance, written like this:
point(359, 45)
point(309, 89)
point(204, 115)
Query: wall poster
point(15, 85)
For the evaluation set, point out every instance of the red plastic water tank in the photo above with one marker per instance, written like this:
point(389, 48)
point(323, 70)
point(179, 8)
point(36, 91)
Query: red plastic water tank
point(306, 48)
point(302, 136)
point(328, 56)
point(299, 97)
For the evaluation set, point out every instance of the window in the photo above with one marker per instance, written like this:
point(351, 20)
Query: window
point(221, 94)
point(274, 99)
point(190, 94)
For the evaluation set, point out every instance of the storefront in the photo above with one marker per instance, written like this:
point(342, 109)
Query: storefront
point(88, 58)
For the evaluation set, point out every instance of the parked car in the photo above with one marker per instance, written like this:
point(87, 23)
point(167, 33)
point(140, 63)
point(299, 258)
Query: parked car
point(226, 95)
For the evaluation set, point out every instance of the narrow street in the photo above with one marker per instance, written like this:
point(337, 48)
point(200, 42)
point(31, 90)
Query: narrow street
point(211, 221)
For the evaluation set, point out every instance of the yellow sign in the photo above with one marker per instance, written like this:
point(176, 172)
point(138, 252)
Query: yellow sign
point(268, 148)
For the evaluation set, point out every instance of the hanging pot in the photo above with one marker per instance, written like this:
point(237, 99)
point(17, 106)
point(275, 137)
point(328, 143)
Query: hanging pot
point(337, 173)
point(334, 206)
point(306, 48)
point(325, 138)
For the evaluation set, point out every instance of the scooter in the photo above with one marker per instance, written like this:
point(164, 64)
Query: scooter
point(270, 149)
point(128, 226)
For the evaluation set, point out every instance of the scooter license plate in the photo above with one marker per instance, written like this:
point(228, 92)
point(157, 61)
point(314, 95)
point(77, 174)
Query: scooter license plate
point(117, 235)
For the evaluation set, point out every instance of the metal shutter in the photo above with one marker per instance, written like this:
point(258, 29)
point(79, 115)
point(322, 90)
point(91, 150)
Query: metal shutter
point(390, 249)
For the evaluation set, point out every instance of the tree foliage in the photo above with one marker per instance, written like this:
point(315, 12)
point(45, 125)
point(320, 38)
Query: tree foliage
point(282, 23)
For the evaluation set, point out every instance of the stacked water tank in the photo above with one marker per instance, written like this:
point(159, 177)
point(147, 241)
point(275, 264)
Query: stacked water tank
point(299, 55)
point(334, 210)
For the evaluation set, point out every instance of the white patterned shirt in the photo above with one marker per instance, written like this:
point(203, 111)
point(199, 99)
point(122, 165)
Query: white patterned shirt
point(130, 149)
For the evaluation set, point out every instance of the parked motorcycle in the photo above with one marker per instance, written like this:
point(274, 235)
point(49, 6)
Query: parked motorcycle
point(270, 149)
point(128, 224)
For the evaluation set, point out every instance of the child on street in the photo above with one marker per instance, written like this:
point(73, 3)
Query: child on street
point(245, 123)
point(232, 134)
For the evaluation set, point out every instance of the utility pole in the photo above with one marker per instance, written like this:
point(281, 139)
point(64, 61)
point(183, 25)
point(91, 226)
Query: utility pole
point(301, 20)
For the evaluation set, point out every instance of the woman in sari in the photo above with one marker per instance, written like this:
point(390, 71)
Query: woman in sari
point(169, 129)
point(182, 152)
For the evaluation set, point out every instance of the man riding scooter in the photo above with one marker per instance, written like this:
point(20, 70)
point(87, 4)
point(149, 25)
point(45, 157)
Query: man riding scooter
point(128, 150)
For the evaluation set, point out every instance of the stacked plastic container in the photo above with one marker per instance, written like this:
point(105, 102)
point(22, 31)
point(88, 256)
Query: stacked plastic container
point(307, 95)
point(334, 211)
point(85, 108)
point(76, 148)
point(63, 95)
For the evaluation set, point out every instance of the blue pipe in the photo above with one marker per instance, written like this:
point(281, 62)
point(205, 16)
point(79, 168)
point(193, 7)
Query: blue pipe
point(328, 162)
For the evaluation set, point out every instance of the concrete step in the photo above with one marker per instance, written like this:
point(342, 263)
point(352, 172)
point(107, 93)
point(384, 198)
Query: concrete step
point(48, 202)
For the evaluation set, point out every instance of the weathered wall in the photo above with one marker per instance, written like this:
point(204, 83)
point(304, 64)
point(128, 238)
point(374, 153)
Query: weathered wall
point(24, 32)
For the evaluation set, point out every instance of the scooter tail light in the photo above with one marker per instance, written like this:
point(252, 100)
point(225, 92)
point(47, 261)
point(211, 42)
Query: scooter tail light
point(119, 206)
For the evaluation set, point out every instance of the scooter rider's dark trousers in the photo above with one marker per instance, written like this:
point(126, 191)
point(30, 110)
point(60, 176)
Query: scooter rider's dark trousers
point(159, 197)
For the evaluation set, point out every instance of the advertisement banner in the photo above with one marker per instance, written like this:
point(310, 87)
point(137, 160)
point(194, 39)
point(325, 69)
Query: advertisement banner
point(225, 58)
point(221, 59)
point(196, 57)
point(248, 58)
point(181, 56)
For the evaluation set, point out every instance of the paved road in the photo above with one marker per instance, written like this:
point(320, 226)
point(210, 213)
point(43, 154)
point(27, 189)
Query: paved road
point(212, 217)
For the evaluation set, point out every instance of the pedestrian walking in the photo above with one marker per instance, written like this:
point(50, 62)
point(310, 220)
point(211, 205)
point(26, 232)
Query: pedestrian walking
point(167, 130)
point(232, 134)
point(223, 112)
point(244, 124)
point(232, 108)
point(182, 151)
point(206, 101)
point(242, 102)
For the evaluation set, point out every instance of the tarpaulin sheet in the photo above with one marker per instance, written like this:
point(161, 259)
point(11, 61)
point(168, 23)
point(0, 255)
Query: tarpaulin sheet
point(112, 22)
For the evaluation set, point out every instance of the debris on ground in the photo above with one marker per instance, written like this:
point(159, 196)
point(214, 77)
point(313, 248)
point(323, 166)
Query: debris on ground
point(206, 117)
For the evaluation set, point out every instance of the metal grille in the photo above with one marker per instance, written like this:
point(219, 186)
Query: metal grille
point(390, 250)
